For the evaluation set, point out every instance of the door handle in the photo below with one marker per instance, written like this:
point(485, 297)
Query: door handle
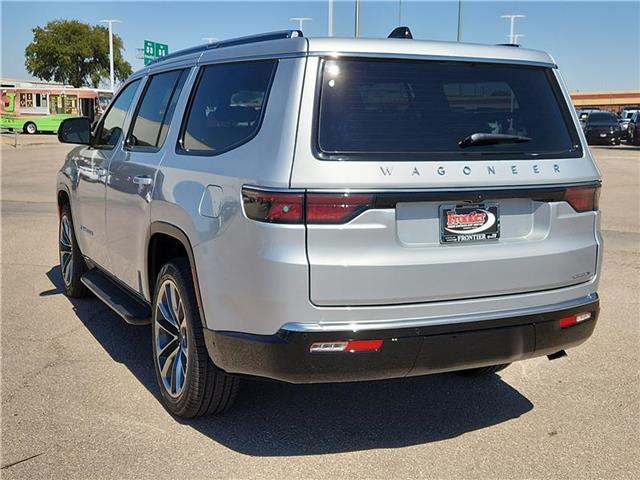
point(142, 180)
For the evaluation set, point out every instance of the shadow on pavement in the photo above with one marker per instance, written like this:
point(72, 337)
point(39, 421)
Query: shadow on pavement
point(279, 419)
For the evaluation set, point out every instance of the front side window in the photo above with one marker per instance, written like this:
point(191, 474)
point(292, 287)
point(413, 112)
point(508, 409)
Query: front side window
point(227, 106)
point(400, 110)
point(151, 122)
point(110, 129)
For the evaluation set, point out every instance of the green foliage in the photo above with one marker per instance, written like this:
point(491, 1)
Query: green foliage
point(74, 53)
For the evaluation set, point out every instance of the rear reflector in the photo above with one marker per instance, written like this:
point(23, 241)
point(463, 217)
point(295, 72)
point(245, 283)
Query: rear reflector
point(348, 346)
point(572, 320)
point(582, 199)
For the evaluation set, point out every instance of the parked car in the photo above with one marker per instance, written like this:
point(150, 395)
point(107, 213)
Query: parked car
point(602, 128)
point(623, 120)
point(633, 129)
point(329, 210)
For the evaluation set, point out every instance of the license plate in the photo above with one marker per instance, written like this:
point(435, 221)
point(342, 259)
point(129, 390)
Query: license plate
point(469, 223)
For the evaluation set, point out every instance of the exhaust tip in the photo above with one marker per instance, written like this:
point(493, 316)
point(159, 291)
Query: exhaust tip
point(557, 355)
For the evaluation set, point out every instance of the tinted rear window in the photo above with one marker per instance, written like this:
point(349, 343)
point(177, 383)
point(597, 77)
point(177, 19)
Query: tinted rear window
point(403, 109)
point(602, 117)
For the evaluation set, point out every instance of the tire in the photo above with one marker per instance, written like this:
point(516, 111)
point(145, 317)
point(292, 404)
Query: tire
point(30, 128)
point(483, 371)
point(190, 384)
point(72, 264)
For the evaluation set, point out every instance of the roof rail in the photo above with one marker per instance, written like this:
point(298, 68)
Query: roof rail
point(232, 42)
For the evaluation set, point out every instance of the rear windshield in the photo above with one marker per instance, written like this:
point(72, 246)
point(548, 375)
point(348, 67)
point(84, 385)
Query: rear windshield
point(602, 117)
point(400, 110)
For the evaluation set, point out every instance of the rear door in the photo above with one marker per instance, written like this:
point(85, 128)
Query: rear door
point(132, 174)
point(435, 212)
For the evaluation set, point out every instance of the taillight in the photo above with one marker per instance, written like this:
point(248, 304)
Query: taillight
point(336, 208)
point(273, 207)
point(295, 207)
point(582, 199)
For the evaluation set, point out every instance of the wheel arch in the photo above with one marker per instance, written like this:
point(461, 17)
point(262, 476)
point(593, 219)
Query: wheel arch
point(166, 241)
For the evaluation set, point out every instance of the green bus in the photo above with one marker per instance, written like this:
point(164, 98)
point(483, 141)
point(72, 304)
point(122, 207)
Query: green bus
point(33, 108)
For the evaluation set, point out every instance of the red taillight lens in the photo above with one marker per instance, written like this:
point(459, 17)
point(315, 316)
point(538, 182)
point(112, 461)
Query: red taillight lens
point(336, 208)
point(582, 199)
point(273, 207)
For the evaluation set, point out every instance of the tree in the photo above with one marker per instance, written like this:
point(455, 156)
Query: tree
point(75, 53)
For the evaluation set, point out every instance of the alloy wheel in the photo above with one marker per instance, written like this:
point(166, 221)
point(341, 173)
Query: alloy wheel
point(66, 250)
point(170, 338)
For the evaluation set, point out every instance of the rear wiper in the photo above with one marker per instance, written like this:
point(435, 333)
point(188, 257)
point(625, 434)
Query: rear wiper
point(490, 139)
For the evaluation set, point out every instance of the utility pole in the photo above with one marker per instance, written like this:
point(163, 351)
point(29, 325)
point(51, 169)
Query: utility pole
point(111, 21)
point(459, 20)
point(512, 20)
point(330, 30)
point(357, 26)
point(301, 21)
point(399, 13)
point(516, 37)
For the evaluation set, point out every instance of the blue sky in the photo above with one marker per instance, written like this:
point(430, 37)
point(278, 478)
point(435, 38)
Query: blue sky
point(596, 43)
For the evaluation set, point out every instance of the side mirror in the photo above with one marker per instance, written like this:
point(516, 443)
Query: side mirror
point(75, 130)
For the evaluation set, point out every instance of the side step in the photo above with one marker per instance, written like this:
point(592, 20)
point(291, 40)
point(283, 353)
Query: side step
point(125, 304)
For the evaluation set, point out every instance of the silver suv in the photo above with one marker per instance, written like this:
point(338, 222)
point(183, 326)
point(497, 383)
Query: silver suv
point(331, 210)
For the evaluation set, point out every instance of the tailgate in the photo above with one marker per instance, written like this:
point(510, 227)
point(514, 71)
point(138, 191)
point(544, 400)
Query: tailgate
point(394, 253)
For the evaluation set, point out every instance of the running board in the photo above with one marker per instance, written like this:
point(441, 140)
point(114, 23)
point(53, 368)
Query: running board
point(125, 304)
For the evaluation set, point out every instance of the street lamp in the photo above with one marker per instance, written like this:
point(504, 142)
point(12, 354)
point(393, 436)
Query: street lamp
point(301, 21)
point(512, 19)
point(111, 21)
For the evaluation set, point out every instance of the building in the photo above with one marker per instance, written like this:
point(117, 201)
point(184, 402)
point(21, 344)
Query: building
point(610, 101)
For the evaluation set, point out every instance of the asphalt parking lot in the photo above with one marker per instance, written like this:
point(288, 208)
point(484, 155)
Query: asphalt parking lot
point(79, 398)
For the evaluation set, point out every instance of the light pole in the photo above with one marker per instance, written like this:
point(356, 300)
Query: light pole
point(111, 21)
point(516, 37)
point(357, 19)
point(459, 20)
point(330, 14)
point(512, 20)
point(301, 21)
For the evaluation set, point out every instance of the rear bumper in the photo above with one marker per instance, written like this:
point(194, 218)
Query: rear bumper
point(405, 352)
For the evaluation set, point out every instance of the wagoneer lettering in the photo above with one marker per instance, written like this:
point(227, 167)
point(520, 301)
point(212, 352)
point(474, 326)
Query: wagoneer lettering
point(275, 211)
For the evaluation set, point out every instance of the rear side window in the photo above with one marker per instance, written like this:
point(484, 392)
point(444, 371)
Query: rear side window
point(400, 110)
point(227, 107)
point(151, 123)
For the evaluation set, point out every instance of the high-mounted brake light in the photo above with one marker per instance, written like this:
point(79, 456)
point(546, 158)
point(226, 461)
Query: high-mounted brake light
point(572, 320)
point(583, 199)
point(347, 347)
